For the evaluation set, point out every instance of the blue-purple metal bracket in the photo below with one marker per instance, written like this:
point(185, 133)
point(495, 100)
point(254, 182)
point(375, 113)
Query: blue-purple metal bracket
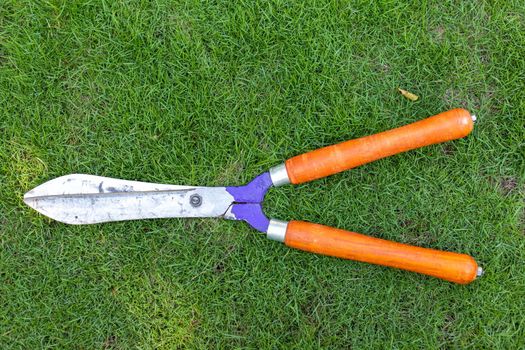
point(248, 199)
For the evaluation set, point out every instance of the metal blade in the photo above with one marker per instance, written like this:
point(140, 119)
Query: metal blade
point(88, 199)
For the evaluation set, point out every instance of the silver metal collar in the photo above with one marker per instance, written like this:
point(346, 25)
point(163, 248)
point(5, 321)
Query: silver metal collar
point(277, 230)
point(279, 175)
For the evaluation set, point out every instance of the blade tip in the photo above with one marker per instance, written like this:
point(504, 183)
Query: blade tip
point(28, 200)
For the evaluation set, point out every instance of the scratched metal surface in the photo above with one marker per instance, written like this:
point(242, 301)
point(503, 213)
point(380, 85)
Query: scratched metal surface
point(88, 199)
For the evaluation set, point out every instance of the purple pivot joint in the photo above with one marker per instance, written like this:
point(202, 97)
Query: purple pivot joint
point(248, 199)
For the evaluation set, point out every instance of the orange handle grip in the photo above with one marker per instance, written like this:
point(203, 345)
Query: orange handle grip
point(453, 267)
point(330, 160)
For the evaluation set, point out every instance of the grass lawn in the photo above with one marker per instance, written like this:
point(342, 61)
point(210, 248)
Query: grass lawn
point(214, 93)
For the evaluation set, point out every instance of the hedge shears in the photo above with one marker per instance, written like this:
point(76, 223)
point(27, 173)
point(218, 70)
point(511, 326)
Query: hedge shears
point(87, 199)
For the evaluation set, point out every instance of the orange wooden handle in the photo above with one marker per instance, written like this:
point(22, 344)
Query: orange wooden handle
point(330, 160)
point(454, 267)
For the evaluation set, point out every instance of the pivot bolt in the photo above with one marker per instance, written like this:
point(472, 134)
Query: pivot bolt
point(195, 200)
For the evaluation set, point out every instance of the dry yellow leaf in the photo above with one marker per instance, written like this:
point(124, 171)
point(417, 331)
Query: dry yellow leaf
point(408, 94)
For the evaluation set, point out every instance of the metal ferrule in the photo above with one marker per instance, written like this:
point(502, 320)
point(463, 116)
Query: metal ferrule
point(277, 230)
point(279, 175)
point(479, 272)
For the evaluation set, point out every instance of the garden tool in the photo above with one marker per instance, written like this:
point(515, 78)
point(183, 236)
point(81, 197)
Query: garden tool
point(88, 199)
